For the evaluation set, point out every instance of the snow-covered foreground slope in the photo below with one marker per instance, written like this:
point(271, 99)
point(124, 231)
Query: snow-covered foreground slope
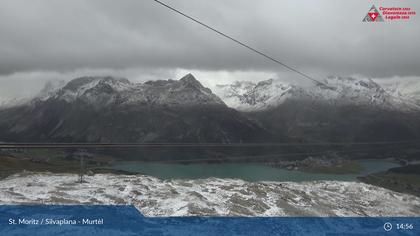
point(155, 197)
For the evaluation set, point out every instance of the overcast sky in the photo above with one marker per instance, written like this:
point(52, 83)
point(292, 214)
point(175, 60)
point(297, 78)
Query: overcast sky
point(42, 40)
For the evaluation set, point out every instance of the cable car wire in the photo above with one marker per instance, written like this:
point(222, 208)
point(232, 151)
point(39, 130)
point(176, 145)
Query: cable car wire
point(304, 75)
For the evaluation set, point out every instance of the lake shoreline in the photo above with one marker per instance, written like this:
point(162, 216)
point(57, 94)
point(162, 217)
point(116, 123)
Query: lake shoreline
point(248, 171)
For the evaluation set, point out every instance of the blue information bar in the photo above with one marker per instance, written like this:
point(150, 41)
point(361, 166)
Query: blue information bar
point(127, 220)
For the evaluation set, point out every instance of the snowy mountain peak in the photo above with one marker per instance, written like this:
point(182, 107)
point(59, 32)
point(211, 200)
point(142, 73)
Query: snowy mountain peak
point(83, 83)
point(89, 87)
point(248, 96)
point(190, 79)
point(365, 83)
point(265, 82)
point(237, 87)
point(187, 91)
point(104, 91)
point(409, 88)
point(50, 88)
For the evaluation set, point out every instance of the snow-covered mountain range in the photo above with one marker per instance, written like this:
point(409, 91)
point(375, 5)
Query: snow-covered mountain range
point(185, 110)
point(249, 96)
point(240, 95)
point(103, 91)
point(106, 109)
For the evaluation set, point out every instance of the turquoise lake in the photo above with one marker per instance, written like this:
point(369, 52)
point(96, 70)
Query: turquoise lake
point(245, 171)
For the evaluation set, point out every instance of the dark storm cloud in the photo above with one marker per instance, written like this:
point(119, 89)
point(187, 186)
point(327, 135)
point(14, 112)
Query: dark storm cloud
point(321, 37)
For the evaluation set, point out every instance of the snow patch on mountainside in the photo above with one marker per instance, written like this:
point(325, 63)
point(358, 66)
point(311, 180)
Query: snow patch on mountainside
point(87, 86)
point(50, 88)
point(248, 96)
point(409, 88)
point(213, 196)
point(13, 102)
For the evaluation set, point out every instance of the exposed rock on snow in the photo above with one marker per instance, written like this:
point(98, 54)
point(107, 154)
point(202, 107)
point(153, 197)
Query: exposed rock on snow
point(155, 197)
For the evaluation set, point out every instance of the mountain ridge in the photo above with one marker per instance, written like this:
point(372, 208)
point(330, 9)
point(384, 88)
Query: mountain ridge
point(102, 91)
point(267, 94)
point(107, 109)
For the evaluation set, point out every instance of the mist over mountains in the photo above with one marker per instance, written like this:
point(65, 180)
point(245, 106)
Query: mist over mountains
point(268, 94)
point(108, 109)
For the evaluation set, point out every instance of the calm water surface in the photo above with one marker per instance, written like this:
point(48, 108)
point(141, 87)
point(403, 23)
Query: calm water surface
point(245, 171)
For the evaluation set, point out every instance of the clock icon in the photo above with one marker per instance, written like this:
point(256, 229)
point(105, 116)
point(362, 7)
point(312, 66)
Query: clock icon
point(387, 226)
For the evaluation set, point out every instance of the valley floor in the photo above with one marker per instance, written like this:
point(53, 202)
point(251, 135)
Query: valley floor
point(212, 196)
